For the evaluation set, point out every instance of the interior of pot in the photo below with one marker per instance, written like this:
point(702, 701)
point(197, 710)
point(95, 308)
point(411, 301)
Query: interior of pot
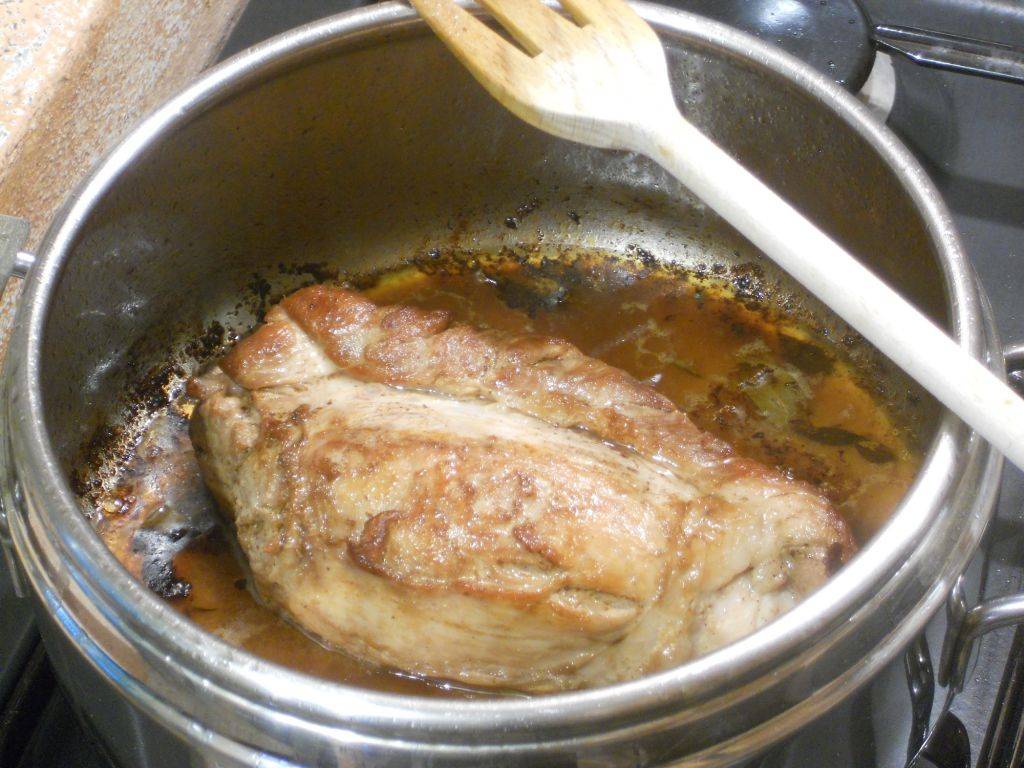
point(385, 148)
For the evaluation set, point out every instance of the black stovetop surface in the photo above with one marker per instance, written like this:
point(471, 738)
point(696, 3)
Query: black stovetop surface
point(969, 134)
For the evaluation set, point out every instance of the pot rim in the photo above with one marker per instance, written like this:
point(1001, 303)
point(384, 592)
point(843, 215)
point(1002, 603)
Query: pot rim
point(185, 648)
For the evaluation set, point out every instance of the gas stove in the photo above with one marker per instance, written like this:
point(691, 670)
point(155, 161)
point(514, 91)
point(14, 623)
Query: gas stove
point(968, 132)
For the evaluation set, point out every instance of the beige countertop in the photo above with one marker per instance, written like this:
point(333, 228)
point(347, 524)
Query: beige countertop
point(75, 76)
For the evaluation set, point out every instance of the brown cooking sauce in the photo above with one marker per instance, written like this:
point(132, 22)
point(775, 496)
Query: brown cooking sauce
point(772, 389)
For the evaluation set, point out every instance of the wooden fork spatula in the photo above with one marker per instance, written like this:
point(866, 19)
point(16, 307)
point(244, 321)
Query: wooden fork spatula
point(602, 80)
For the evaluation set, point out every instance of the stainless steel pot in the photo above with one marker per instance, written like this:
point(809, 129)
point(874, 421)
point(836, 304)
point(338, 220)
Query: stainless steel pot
point(357, 140)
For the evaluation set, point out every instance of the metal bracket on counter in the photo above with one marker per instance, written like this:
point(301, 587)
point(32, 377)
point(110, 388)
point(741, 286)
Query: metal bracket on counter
point(14, 262)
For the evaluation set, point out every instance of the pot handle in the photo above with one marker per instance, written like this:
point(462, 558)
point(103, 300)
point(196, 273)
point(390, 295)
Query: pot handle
point(13, 263)
point(965, 624)
point(954, 53)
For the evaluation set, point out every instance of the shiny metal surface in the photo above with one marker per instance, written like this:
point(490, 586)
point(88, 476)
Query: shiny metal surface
point(832, 37)
point(23, 261)
point(258, 164)
point(988, 616)
point(1014, 354)
point(838, 39)
point(1004, 744)
point(954, 53)
point(968, 624)
point(13, 234)
point(917, 662)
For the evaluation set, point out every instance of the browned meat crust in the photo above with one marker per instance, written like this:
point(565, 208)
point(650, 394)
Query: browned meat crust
point(500, 510)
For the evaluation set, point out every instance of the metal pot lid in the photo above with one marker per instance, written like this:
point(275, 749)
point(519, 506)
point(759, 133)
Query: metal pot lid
point(833, 36)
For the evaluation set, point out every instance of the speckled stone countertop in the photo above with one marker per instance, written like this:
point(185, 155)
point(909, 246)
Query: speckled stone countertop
point(75, 75)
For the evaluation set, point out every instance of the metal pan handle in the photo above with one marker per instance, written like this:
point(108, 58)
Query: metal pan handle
point(13, 263)
point(965, 624)
point(953, 53)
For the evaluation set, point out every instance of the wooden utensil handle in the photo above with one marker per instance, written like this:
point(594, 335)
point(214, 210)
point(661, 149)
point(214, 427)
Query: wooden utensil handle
point(880, 314)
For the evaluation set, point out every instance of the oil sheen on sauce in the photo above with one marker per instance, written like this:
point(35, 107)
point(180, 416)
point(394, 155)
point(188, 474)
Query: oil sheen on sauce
point(773, 389)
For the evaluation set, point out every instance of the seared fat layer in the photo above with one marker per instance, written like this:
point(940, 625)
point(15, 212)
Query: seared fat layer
point(493, 509)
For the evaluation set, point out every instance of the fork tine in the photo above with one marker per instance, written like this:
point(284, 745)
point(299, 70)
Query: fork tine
point(493, 61)
point(585, 11)
point(534, 26)
point(607, 13)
